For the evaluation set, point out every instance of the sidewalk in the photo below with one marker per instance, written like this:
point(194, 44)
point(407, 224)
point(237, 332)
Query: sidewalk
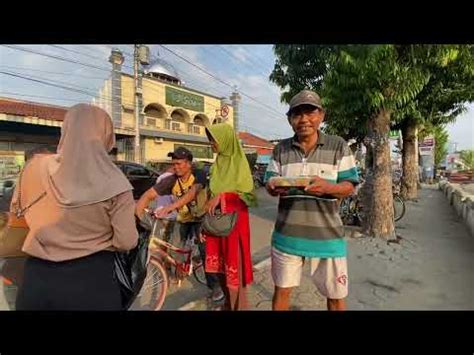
point(429, 268)
point(260, 293)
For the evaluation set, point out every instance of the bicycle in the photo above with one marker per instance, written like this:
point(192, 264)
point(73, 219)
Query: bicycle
point(398, 208)
point(352, 210)
point(153, 292)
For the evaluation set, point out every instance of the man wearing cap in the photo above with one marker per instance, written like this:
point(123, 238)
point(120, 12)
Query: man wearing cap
point(178, 184)
point(308, 226)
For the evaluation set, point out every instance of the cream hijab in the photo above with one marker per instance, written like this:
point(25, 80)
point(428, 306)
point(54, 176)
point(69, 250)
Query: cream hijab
point(82, 173)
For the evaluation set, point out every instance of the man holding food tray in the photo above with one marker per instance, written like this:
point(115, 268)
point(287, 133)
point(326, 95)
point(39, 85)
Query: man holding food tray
point(310, 172)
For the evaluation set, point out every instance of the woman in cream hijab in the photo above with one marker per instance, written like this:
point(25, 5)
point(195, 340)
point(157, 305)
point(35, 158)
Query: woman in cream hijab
point(87, 212)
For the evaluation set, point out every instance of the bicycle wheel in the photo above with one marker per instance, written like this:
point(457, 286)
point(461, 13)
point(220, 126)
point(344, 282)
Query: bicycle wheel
point(347, 211)
point(256, 184)
point(359, 212)
point(199, 272)
point(153, 292)
point(344, 211)
point(398, 207)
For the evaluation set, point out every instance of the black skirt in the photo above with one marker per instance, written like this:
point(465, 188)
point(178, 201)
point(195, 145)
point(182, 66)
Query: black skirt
point(83, 284)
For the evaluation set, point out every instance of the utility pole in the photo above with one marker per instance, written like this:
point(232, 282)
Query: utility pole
point(137, 108)
point(235, 98)
point(141, 56)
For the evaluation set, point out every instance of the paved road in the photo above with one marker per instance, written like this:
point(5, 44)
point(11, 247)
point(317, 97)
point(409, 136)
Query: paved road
point(429, 269)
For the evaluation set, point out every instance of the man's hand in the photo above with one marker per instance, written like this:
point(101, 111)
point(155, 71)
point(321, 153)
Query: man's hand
point(319, 187)
point(275, 191)
point(163, 212)
point(144, 201)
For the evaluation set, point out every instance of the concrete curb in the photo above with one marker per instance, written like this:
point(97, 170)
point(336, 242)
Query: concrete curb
point(462, 202)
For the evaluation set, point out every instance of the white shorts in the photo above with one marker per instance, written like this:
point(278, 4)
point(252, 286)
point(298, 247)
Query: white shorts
point(329, 275)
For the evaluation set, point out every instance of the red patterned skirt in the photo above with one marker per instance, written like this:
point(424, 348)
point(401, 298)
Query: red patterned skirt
point(223, 254)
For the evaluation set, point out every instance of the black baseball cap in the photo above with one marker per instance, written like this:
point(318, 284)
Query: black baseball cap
point(181, 153)
point(305, 97)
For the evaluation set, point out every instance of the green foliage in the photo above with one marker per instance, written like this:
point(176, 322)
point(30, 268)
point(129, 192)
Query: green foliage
point(300, 67)
point(467, 156)
point(441, 137)
point(420, 83)
point(449, 88)
point(441, 144)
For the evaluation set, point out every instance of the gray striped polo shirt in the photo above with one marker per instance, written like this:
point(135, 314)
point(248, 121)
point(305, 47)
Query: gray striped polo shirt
point(308, 225)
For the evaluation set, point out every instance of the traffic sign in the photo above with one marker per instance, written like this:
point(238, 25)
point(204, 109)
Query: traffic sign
point(224, 111)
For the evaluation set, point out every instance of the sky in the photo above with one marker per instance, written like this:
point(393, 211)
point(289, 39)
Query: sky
point(245, 66)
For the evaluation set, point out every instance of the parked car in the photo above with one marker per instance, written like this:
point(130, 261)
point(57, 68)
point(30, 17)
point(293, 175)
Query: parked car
point(159, 166)
point(141, 178)
point(6, 193)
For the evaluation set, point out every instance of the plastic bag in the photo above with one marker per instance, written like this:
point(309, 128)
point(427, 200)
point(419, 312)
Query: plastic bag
point(131, 268)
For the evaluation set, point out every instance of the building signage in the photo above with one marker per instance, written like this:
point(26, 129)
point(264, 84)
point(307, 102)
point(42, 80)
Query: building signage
point(175, 97)
point(428, 142)
point(224, 111)
point(426, 150)
point(395, 134)
point(10, 165)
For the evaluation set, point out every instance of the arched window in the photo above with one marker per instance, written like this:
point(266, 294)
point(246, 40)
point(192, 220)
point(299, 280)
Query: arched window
point(155, 111)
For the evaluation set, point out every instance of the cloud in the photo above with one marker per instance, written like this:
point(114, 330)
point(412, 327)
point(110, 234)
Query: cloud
point(34, 65)
point(241, 73)
point(240, 54)
point(462, 131)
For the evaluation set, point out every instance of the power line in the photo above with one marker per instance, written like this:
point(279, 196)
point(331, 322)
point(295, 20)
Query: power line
point(37, 96)
point(185, 71)
point(105, 45)
point(218, 79)
point(78, 86)
point(90, 56)
point(16, 94)
point(53, 81)
point(232, 55)
point(108, 70)
point(44, 82)
point(214, 88)
point(121, 50)
point(92, 66)
point(258, 59)
point(75, 100)
point(160, 90)
point(86, 47)
point(76, 52)
point(56, 57)
point(260, 132)
point(52, 72)
point(80, 91)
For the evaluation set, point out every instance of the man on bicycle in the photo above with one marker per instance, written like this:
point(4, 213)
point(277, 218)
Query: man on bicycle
point(178, 184)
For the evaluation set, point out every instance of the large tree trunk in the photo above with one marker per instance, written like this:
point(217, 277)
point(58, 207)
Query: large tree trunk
point(366, 189)
point(379, 221)
point(409, 188)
